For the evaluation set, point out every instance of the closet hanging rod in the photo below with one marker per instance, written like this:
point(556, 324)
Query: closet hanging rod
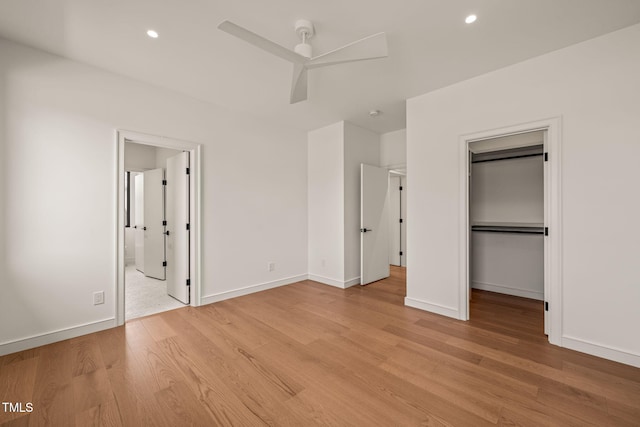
point(507, 158)
point(508, 229)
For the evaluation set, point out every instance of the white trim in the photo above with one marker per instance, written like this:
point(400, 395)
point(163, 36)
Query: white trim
point(432, 307)
point(123, 136)
point(601, 350)
point(509, 290)
point(401, 168)
point(333, 282)
point(221, 296)
point(55, 336)
point(352, 282)
point(553, 199)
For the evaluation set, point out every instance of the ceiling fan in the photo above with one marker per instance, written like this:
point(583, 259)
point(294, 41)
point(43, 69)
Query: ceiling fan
point(372, 47)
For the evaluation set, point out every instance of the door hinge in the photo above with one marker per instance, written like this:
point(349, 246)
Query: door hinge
point(188, 282)
point(164, 263)
point(187, 226)
point(546, 306)
point(164, 222)
point(546, 157)
point(400, 253)
point(400, 220)
point(187, 171)
point(546, 231)
point(164, 182)
point(400, 188)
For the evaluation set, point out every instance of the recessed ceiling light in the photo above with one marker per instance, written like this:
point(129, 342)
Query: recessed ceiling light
point(153, 34)
point(470, 19)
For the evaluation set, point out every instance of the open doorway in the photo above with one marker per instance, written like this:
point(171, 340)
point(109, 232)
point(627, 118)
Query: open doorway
point(506, 211)
point(157, 234)
point(383, 222)
point(148, 204)
point(510, 211)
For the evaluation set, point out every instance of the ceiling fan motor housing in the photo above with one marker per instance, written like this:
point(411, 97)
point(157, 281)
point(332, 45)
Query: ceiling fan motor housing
point(303, 49)
point(305, 30)
point(304, 26)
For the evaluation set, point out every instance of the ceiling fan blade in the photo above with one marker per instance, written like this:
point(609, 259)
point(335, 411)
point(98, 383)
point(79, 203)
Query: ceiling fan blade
point(261, 42)
point(372, 47)
point(298, 84)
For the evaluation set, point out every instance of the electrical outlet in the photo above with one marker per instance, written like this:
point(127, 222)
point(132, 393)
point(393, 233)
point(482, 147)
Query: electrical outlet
point(271, 266)
point(98, 298)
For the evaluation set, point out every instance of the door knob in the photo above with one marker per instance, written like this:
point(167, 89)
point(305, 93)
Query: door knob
point(144, 228)
point(166, 232)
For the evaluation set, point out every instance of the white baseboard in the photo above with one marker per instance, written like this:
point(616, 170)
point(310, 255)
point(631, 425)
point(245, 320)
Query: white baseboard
point(600, 350)
point(431, 307)
point(502, 289)
point(333, 282)
point(208, 299)
point(55, 336)
point(352, 282)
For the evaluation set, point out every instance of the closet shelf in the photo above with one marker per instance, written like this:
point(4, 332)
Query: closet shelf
point(506, 227)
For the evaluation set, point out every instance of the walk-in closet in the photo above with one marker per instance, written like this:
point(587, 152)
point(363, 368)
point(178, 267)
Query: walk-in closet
point(507, 211)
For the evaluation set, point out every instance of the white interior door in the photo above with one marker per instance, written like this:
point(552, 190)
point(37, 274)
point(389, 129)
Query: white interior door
point(374, 224)
point(139, 221)
point(177, 209)
point(153, 224)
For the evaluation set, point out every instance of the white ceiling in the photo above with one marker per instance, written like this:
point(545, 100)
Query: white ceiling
point(430, 46)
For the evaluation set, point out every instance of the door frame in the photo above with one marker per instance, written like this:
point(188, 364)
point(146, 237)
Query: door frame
point(402, 176)
point(552, 215)
point(195, 196)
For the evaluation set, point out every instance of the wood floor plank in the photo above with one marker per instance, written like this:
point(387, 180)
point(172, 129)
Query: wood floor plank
point(105, 414)
point(216, 400)
point(259, 386)
point(17, 381)
point(311, 354)
point(113, 346)
point(53, 389)
point(91, 390)
point(86, 354)
point(135, 401)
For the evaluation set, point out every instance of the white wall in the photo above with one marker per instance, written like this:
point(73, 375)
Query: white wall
point(511, 264)
point(594, 87)
point(393, 149)
point(60, 120)
point(162, 154)
point(508, 191)
point(139, 157)
point(4, 182)
point(326, 204)
point(360, 146)
point(335, 153)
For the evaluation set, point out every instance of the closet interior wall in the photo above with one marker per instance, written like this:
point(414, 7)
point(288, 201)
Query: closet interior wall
point(507, 217)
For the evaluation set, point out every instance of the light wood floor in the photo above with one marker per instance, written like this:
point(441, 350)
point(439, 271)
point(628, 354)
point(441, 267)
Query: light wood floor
point(308, 354)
